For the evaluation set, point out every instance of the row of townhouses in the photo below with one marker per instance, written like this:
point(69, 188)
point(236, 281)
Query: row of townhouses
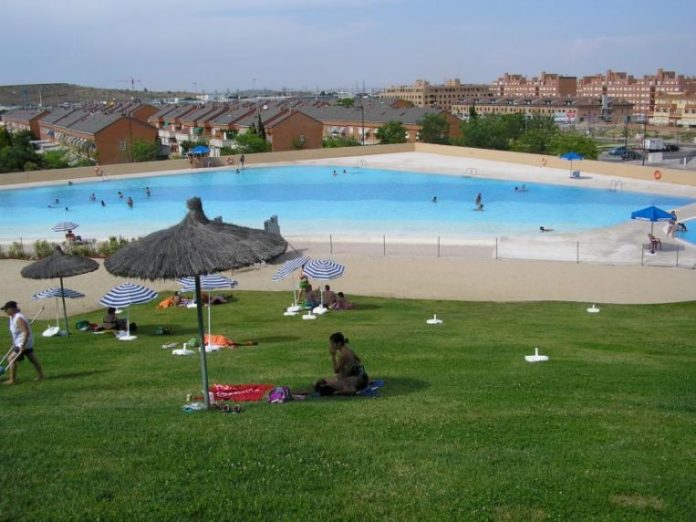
point(106, 133)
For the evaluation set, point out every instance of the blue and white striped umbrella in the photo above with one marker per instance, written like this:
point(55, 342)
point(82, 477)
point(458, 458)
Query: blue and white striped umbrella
point(127, 294)
point(289, 267)
point(56, 292)
point(323, 269)
point(64, 226)
point(208, 282)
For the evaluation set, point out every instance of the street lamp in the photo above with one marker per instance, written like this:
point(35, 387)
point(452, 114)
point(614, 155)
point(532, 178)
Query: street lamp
point(362, 113)
point(645, 131)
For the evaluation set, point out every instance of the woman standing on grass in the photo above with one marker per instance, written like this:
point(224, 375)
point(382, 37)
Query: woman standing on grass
point(350, 376)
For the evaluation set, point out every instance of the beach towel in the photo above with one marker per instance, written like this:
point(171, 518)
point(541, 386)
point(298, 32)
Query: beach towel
point(239, 392)
point(168, 302)
point(372, 389)
point(221, 340)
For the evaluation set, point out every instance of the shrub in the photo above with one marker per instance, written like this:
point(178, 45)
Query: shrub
point(86, 250)
point(16, 251)
point(43, 248)
point(106, 248)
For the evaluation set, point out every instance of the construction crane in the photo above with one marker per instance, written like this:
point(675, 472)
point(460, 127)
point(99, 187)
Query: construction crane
point(132, 81)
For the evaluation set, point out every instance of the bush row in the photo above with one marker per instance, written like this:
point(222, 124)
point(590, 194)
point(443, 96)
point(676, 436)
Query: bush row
point(43, 249)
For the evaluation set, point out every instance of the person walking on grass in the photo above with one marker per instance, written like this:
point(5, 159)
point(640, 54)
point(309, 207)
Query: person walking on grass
point(22, 340)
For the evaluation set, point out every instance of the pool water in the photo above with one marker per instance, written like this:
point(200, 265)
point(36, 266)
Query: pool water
point(311, 201)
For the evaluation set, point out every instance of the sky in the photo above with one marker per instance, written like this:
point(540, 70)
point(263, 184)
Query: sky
point(216, 45)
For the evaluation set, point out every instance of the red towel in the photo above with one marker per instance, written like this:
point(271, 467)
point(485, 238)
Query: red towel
point(239, 392)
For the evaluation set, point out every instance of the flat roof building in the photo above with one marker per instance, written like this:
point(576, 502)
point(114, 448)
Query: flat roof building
point(424, 94)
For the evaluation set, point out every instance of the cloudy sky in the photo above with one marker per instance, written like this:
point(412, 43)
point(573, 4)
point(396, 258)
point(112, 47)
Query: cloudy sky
point(210, 45)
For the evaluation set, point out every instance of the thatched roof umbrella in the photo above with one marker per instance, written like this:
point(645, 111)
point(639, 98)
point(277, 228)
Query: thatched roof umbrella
point(60, 265)
point(195, 247)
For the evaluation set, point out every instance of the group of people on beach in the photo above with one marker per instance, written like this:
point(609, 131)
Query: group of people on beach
point(312, 297)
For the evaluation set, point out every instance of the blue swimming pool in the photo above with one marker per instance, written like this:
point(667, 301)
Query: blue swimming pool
point(690, 234)
point(310, 201)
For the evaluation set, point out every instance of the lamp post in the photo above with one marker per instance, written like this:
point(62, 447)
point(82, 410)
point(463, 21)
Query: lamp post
point(362, 113)
point(645, 131)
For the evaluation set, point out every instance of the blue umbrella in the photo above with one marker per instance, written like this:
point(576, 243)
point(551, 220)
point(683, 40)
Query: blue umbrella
point(571, 156)
point(125, 295)
point(652, 214)
point(208, 282)
point(200, 150)
point(323, 270)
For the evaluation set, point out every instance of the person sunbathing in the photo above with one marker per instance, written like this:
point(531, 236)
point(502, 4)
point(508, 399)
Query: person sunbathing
point(111, 321)
point(342, 303)
point(329, 296)
point(349, 373)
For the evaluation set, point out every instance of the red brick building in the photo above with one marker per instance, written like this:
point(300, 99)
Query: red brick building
point(24, 120)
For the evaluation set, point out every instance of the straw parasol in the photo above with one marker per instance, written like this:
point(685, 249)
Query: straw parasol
point(195, 247)
point(60, 265)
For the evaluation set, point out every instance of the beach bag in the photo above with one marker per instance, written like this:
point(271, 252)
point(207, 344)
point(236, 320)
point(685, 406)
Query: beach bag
point(279, 394)
point(162, 330)
point(193, 342)
point(83, 325)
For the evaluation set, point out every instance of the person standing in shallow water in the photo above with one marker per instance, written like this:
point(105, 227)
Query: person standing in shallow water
point(22, 340)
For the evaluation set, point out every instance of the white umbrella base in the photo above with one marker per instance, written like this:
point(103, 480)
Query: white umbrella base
point(536, 357)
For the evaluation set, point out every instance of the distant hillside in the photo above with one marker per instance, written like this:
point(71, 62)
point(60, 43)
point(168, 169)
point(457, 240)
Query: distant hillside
point(52, 94)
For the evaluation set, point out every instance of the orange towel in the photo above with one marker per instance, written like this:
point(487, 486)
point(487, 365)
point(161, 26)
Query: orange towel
point(169, 301)
point(221, 340)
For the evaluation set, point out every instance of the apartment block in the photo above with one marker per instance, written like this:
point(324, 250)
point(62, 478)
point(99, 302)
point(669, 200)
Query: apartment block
point(642, 92)
point(426, 95)
point(564, 110)
point(675, 109)
point(544, 85)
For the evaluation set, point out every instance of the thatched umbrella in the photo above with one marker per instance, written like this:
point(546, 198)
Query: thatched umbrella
point(60, 265)
point(195, 247)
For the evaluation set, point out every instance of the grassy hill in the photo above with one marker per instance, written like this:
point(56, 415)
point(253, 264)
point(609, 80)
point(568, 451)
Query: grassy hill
point(52, 94)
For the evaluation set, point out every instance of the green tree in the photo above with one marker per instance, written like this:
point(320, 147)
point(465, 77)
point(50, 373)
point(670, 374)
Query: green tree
point(260, 129)
point(5, 140)
point(539, 132)
point(18, 153)
point(491, 132)
point(391, 132)
point(434, 129)
point(573, 142)
point(145, 150)
point(345, 102)
point(473, 115)
point(249, 143)
point(55, 159)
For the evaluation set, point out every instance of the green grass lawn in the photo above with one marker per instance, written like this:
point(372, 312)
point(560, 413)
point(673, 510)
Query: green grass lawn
point(465, 429)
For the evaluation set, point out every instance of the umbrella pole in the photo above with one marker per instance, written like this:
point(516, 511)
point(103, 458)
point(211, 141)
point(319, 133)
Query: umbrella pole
point(204, 362)
point(210, 328)
point(65, 310)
